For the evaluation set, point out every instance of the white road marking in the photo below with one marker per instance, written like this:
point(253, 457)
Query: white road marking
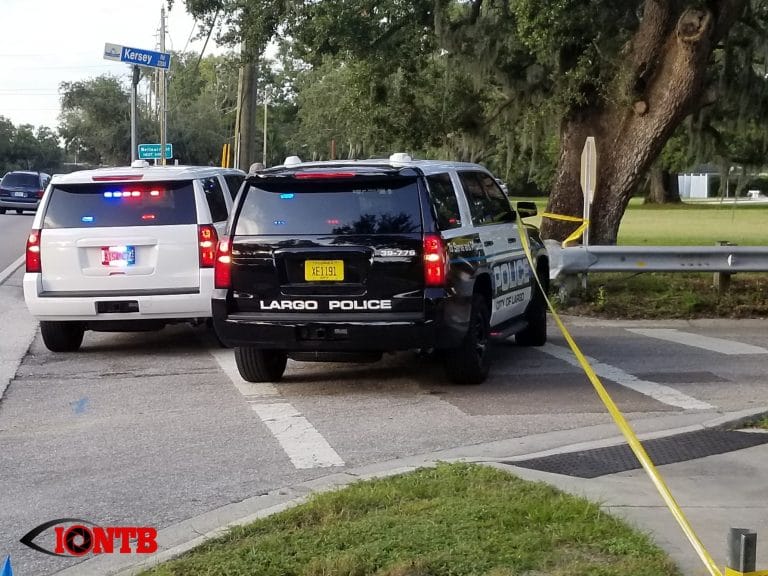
point(304, 445)
point(719, 345)
point(11, 268)
point(659, 392)
point(250, 390)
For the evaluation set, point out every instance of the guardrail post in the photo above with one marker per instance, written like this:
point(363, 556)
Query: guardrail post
point(742, 550)
point(569, 283)
point(723, 279)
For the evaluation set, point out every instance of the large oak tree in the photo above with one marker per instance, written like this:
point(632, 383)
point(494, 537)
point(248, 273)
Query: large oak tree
point(627, 72)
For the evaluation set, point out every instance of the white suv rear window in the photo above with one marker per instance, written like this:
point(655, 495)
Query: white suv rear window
point(121, 204)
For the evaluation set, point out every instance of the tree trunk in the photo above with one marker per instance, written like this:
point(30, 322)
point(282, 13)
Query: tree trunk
point(666, 63)
point(663, 188)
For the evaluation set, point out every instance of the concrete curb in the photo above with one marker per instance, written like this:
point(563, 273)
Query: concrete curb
point(21, 327)
point(9, 270)
point(182, 537)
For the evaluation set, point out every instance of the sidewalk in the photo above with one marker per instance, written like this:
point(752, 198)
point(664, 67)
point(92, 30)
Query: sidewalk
point(716, 493)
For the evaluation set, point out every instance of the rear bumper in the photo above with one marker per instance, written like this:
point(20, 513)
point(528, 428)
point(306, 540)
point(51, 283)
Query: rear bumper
point(20, 204)
point(316, 334)
point(64, 307)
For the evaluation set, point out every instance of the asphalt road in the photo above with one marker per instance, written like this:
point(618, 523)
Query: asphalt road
point(155, 428)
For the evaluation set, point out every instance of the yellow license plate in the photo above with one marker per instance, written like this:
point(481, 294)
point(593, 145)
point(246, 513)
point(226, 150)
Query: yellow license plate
point(319, 270)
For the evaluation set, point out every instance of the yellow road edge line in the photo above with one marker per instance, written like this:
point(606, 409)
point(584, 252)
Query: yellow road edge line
point(625, 428)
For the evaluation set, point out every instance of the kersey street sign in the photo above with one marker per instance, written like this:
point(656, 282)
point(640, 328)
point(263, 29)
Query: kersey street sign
point(137, 56)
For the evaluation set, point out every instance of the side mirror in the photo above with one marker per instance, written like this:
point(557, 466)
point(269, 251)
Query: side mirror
point(527, 209)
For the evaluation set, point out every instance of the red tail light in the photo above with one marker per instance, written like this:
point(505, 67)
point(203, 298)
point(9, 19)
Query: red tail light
point(33, 252)
point(222, 277)
point(207, 239)
point(40, 193)
point(435, 261)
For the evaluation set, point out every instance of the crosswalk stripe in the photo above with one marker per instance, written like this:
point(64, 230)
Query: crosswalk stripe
point(303, 444)
point(719, 345)
point(659, 392)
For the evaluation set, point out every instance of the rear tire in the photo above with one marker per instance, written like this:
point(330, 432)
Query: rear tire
point(2, 210)
point(62, 336)
point(535, 334)
point(469, 364)
point(256, 365)
point(19, 211)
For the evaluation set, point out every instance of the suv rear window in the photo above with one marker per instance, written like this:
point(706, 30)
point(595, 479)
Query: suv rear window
point(389, 206)
point(121, 204)
point(21, 180)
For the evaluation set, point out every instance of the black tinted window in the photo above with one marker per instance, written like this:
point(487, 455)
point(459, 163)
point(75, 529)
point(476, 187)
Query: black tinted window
point(120, 204)
point(369, 207)
point(215, 198)
point(444, 201)
point(21, 180)
point(233, 183)
point(487, 203)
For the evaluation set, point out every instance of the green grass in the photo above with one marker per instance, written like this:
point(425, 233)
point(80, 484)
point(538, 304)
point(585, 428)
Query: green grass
point(451, 520)
point(676, 295)
point(761, 422)
point(687, 224)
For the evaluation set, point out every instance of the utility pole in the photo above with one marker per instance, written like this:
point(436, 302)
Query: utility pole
point(163, 117)
point(247, 110)
point(264, 152)
point(134, 111)
point(237, 116)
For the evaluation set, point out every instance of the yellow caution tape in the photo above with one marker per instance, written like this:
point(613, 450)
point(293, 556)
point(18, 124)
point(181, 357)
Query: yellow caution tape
point(576, 233)
point(732, 572)
point(626, 429)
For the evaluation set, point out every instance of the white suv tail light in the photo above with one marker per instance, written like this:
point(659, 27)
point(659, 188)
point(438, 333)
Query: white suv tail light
point(207, 240)
point(33, 252)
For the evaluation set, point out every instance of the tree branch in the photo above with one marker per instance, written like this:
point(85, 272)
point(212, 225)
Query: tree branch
point(726, 12)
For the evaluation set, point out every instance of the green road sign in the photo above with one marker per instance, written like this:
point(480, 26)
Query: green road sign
point(149, 151)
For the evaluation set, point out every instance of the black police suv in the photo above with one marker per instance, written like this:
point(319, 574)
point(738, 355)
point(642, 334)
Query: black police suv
point(346, 260)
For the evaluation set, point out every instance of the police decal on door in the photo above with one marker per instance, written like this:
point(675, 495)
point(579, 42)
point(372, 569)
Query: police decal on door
point(511, 287)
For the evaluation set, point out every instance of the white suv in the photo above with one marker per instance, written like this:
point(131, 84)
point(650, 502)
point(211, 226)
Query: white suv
point(119, 249)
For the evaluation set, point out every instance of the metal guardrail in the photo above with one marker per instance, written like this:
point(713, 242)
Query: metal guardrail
point(580, 259)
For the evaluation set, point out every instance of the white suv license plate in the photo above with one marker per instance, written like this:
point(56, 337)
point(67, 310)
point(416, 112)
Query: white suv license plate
point(118, 256)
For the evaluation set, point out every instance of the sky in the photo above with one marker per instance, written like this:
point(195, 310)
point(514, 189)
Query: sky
point(46, 42)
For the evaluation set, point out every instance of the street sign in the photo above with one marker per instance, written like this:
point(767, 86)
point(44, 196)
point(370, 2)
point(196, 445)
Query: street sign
point(588, 181)
point(137, 56)
point(152, 151)
point(112, 52)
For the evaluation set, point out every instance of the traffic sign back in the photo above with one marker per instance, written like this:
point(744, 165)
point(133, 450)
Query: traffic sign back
point(589, 169)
